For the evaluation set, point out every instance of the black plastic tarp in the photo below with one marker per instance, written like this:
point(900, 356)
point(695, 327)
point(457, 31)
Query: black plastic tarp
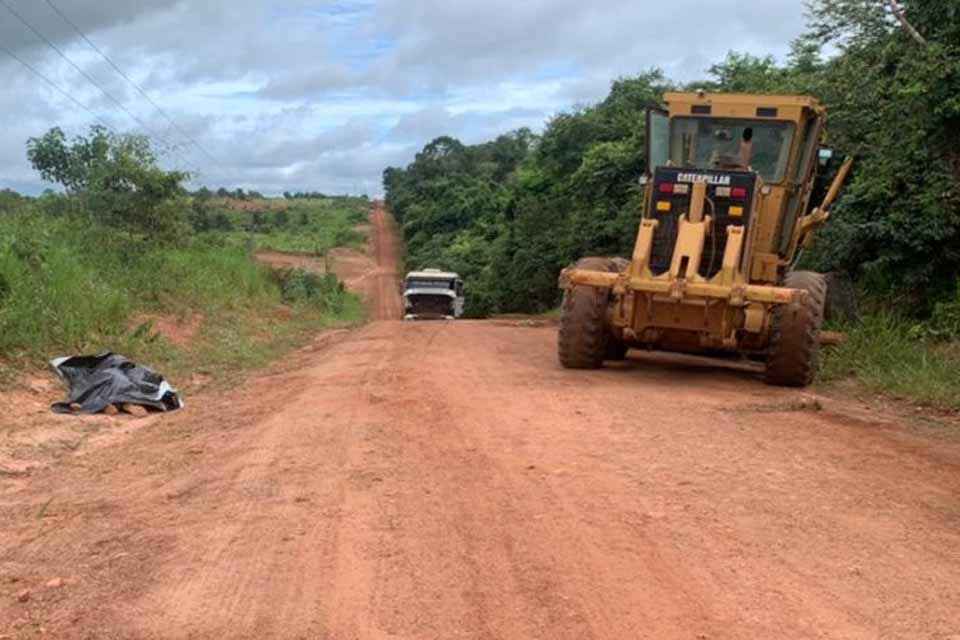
point(99, 381)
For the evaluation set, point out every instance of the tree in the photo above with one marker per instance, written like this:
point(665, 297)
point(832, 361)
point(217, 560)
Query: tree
point(117, 179)
point(512, 212)
point(855, 22)
point(744, 73)
point(258, 223)
point(895, 105)
point(221, 222)
point(71, 165)
point(200, 216)
point(901, 15)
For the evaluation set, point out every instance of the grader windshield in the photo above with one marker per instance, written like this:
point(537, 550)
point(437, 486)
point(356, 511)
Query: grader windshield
point(726, 143)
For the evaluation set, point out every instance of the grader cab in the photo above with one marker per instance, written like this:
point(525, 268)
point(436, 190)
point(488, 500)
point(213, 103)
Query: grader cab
point(729, 184)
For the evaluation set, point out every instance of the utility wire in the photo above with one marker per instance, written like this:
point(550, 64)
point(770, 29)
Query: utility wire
point(66, 94)
point(170, 147)
point(57, 87)
point(131, 82)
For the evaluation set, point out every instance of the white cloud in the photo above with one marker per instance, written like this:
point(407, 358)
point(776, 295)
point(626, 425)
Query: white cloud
point(301, 94)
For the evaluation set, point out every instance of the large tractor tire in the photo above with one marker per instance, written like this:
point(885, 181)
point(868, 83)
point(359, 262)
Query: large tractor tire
point(795, 333)
point(585, 341)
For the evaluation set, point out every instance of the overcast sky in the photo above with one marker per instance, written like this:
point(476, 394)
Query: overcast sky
point(322, 95)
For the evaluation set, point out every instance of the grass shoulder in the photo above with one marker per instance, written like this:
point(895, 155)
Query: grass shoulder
point(311, 226)
point(69, 287)
point(890, 356)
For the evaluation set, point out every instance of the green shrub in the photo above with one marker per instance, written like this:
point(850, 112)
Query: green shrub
point(885, 353)
point(304, 287)
point(65, 281)
point(200, 275)
point(310, 226)
point(944, 323)
point(56, 298)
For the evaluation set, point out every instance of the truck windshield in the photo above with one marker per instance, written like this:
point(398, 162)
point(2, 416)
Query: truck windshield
point(716, 143)
point(429, 283)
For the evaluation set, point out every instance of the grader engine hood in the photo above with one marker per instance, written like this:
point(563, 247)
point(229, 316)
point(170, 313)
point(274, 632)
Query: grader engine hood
point(730, 198)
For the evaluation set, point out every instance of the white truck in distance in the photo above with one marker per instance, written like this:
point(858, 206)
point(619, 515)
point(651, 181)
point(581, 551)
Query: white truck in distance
point(432, 294)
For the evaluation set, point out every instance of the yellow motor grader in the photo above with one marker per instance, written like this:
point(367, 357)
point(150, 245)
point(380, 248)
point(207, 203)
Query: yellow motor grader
point(728, 210)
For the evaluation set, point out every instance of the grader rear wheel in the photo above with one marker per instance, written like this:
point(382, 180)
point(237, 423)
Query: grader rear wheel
point(795, 333)
point(585, 341)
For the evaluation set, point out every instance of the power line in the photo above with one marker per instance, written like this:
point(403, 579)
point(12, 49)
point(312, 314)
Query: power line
point(66, 94)
point(38, 34)
point(131, 82)
point(55, 86)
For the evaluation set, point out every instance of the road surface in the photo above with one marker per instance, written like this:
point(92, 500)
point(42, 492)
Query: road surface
point(383, 284)
point(450, 480)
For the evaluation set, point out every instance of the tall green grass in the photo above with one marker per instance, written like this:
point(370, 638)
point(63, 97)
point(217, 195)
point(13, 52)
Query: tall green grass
point(891, 356)
point(312, 226)
point(56, 300)
point(69, 286)
point(202, 276)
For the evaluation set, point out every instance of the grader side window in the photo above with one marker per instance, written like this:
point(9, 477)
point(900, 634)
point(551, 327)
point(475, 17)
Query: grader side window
point(658, 139)
point(712, 143)
point(810, 140)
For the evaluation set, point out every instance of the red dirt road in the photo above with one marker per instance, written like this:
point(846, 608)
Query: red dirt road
point(383, 285)
point(450, 480)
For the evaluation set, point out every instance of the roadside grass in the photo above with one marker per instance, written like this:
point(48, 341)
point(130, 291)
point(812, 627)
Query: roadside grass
point(552, 314)
point(885, 354)
point(68, 287)
point(238, 340)
point(305, 226)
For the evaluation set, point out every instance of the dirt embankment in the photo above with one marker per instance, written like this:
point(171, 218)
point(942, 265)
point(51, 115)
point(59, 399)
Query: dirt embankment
point(31, 437)
point(443, 480)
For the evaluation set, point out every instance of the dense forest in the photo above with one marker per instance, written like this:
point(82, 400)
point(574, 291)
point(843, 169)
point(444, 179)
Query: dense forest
point(511, 213)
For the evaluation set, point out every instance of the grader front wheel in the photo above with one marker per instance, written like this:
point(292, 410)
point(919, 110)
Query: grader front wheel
point(582, 334)
point(584, 339)
point(795, 333)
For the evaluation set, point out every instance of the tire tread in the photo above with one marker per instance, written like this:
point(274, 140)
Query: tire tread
point(583, 339)
point(795, 333)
